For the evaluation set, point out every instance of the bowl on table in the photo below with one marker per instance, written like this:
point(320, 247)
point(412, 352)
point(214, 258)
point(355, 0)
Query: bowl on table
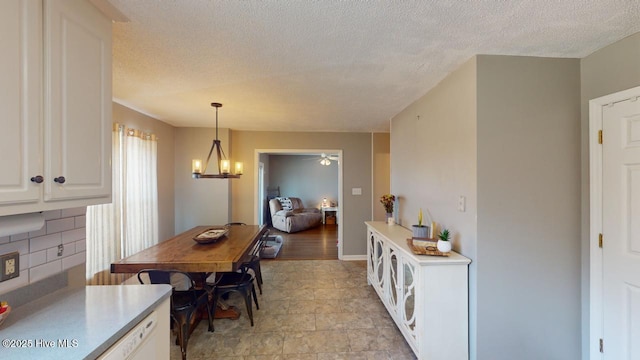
point(211, 235)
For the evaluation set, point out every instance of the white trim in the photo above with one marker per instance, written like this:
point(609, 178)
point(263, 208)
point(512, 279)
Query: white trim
point(260, 191)
point(256, 160)
point(595, 216)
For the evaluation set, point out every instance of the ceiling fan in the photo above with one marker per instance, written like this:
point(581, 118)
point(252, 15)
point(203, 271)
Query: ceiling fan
point(327, 159)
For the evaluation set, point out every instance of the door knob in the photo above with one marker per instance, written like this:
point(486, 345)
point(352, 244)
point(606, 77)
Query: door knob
point(37, 179)
point(60, 179)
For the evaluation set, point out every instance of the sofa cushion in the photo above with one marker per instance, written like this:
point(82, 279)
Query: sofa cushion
point(285, 213)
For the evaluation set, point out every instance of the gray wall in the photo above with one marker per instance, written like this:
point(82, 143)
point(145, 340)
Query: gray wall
point(356, 147)
point(165, 134)
point(528, 208)
point(304, 177)
point(381, 155)
point(503, 132)
point(433, 162)
point(608, 70)
point(199, 201)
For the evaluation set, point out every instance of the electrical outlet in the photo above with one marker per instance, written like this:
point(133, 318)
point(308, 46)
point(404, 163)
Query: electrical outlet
point(9, 266)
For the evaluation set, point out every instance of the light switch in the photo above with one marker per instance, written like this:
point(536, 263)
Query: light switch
point(462, 203)
point(356, 191)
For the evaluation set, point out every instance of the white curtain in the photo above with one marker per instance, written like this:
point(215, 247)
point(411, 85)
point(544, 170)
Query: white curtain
point(130, 223)
point(140, 192)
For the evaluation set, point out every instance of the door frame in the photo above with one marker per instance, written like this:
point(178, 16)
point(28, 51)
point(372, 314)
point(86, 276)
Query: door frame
point(261, 193)
point(340, 219)
point(595, 216)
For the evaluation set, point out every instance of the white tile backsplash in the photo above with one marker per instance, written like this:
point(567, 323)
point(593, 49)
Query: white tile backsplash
point(81, 245)
point(81, 221)
point(53, 214)
point(45, 242)
point(17, 237)
point(42, 271)
point(37, 258)
point(73, 260)
point(39, 249)
point(60, 225)
point(74, 235)
point(40, 232)
point(73, 212)
point(21, 246)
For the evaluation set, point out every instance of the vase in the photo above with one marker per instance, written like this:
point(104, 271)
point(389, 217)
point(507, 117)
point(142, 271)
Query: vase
point(389, 218)
point(420, 231)
point(444, 246)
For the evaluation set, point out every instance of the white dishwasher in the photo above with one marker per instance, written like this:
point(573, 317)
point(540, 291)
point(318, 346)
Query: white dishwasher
point(147, 340)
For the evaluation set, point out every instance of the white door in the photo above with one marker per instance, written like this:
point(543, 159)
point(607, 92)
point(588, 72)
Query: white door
point(621, 229)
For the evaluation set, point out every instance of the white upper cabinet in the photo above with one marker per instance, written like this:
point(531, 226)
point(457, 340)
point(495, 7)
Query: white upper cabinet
point(55, 105)
point(77, 101)
point(20, 101)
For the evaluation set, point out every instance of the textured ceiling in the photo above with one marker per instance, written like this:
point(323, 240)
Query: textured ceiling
point(331, 65)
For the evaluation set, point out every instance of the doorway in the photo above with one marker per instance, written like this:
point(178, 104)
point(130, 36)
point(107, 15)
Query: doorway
point(614, 141)
point(260, 155)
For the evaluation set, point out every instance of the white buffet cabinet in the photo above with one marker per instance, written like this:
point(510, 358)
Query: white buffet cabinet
point(427, 296)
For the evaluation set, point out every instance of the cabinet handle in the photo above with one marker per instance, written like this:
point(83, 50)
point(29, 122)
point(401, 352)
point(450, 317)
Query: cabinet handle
point(60, 179)
point(37, 179)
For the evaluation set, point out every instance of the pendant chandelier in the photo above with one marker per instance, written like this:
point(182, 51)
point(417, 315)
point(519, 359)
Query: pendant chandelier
point(224, 164)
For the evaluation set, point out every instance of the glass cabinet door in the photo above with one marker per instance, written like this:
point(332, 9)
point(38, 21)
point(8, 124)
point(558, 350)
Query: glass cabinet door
point(394, 282)
point(379, 262)
point(409, 297)
point(371, 248)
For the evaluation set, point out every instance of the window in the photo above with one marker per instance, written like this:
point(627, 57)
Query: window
point(130, 223)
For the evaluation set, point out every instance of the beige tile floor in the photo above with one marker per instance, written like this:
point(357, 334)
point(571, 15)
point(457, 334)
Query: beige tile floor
point(309, 310)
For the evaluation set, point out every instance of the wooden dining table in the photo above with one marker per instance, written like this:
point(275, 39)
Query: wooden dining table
point(183, 253)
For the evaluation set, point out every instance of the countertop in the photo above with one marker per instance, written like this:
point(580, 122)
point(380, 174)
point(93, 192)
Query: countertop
point(399, 235)
point(77, 323)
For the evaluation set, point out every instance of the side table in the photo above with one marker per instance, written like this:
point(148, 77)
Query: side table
point(329, 209)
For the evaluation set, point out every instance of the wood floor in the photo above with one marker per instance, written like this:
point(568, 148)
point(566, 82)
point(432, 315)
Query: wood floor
point(319, 243)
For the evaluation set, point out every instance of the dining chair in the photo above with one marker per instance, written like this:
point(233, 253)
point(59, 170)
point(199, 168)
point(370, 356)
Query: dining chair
point(185, 301)
point(240, 282)
point(252, 261)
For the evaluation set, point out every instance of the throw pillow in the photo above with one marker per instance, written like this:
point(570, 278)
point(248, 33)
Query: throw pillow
point(286, 203)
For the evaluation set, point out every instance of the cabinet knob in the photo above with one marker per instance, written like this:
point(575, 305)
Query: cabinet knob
point(37, 179)
point(60, 179)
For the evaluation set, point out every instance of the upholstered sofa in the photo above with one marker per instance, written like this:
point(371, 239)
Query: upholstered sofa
point(290, 215)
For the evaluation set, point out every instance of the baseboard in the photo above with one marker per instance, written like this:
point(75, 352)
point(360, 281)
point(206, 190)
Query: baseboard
point(354, 257)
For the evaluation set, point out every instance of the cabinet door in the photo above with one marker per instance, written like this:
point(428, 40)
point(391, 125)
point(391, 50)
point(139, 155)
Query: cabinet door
point(378, 266)
point(20, 98)
point(370, 258)
point(407, 305)
point(394, 279)
point(77, 102)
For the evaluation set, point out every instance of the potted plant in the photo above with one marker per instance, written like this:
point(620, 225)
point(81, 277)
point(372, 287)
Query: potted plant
point(420, 231)
point(387, 201)
point(444, 245)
